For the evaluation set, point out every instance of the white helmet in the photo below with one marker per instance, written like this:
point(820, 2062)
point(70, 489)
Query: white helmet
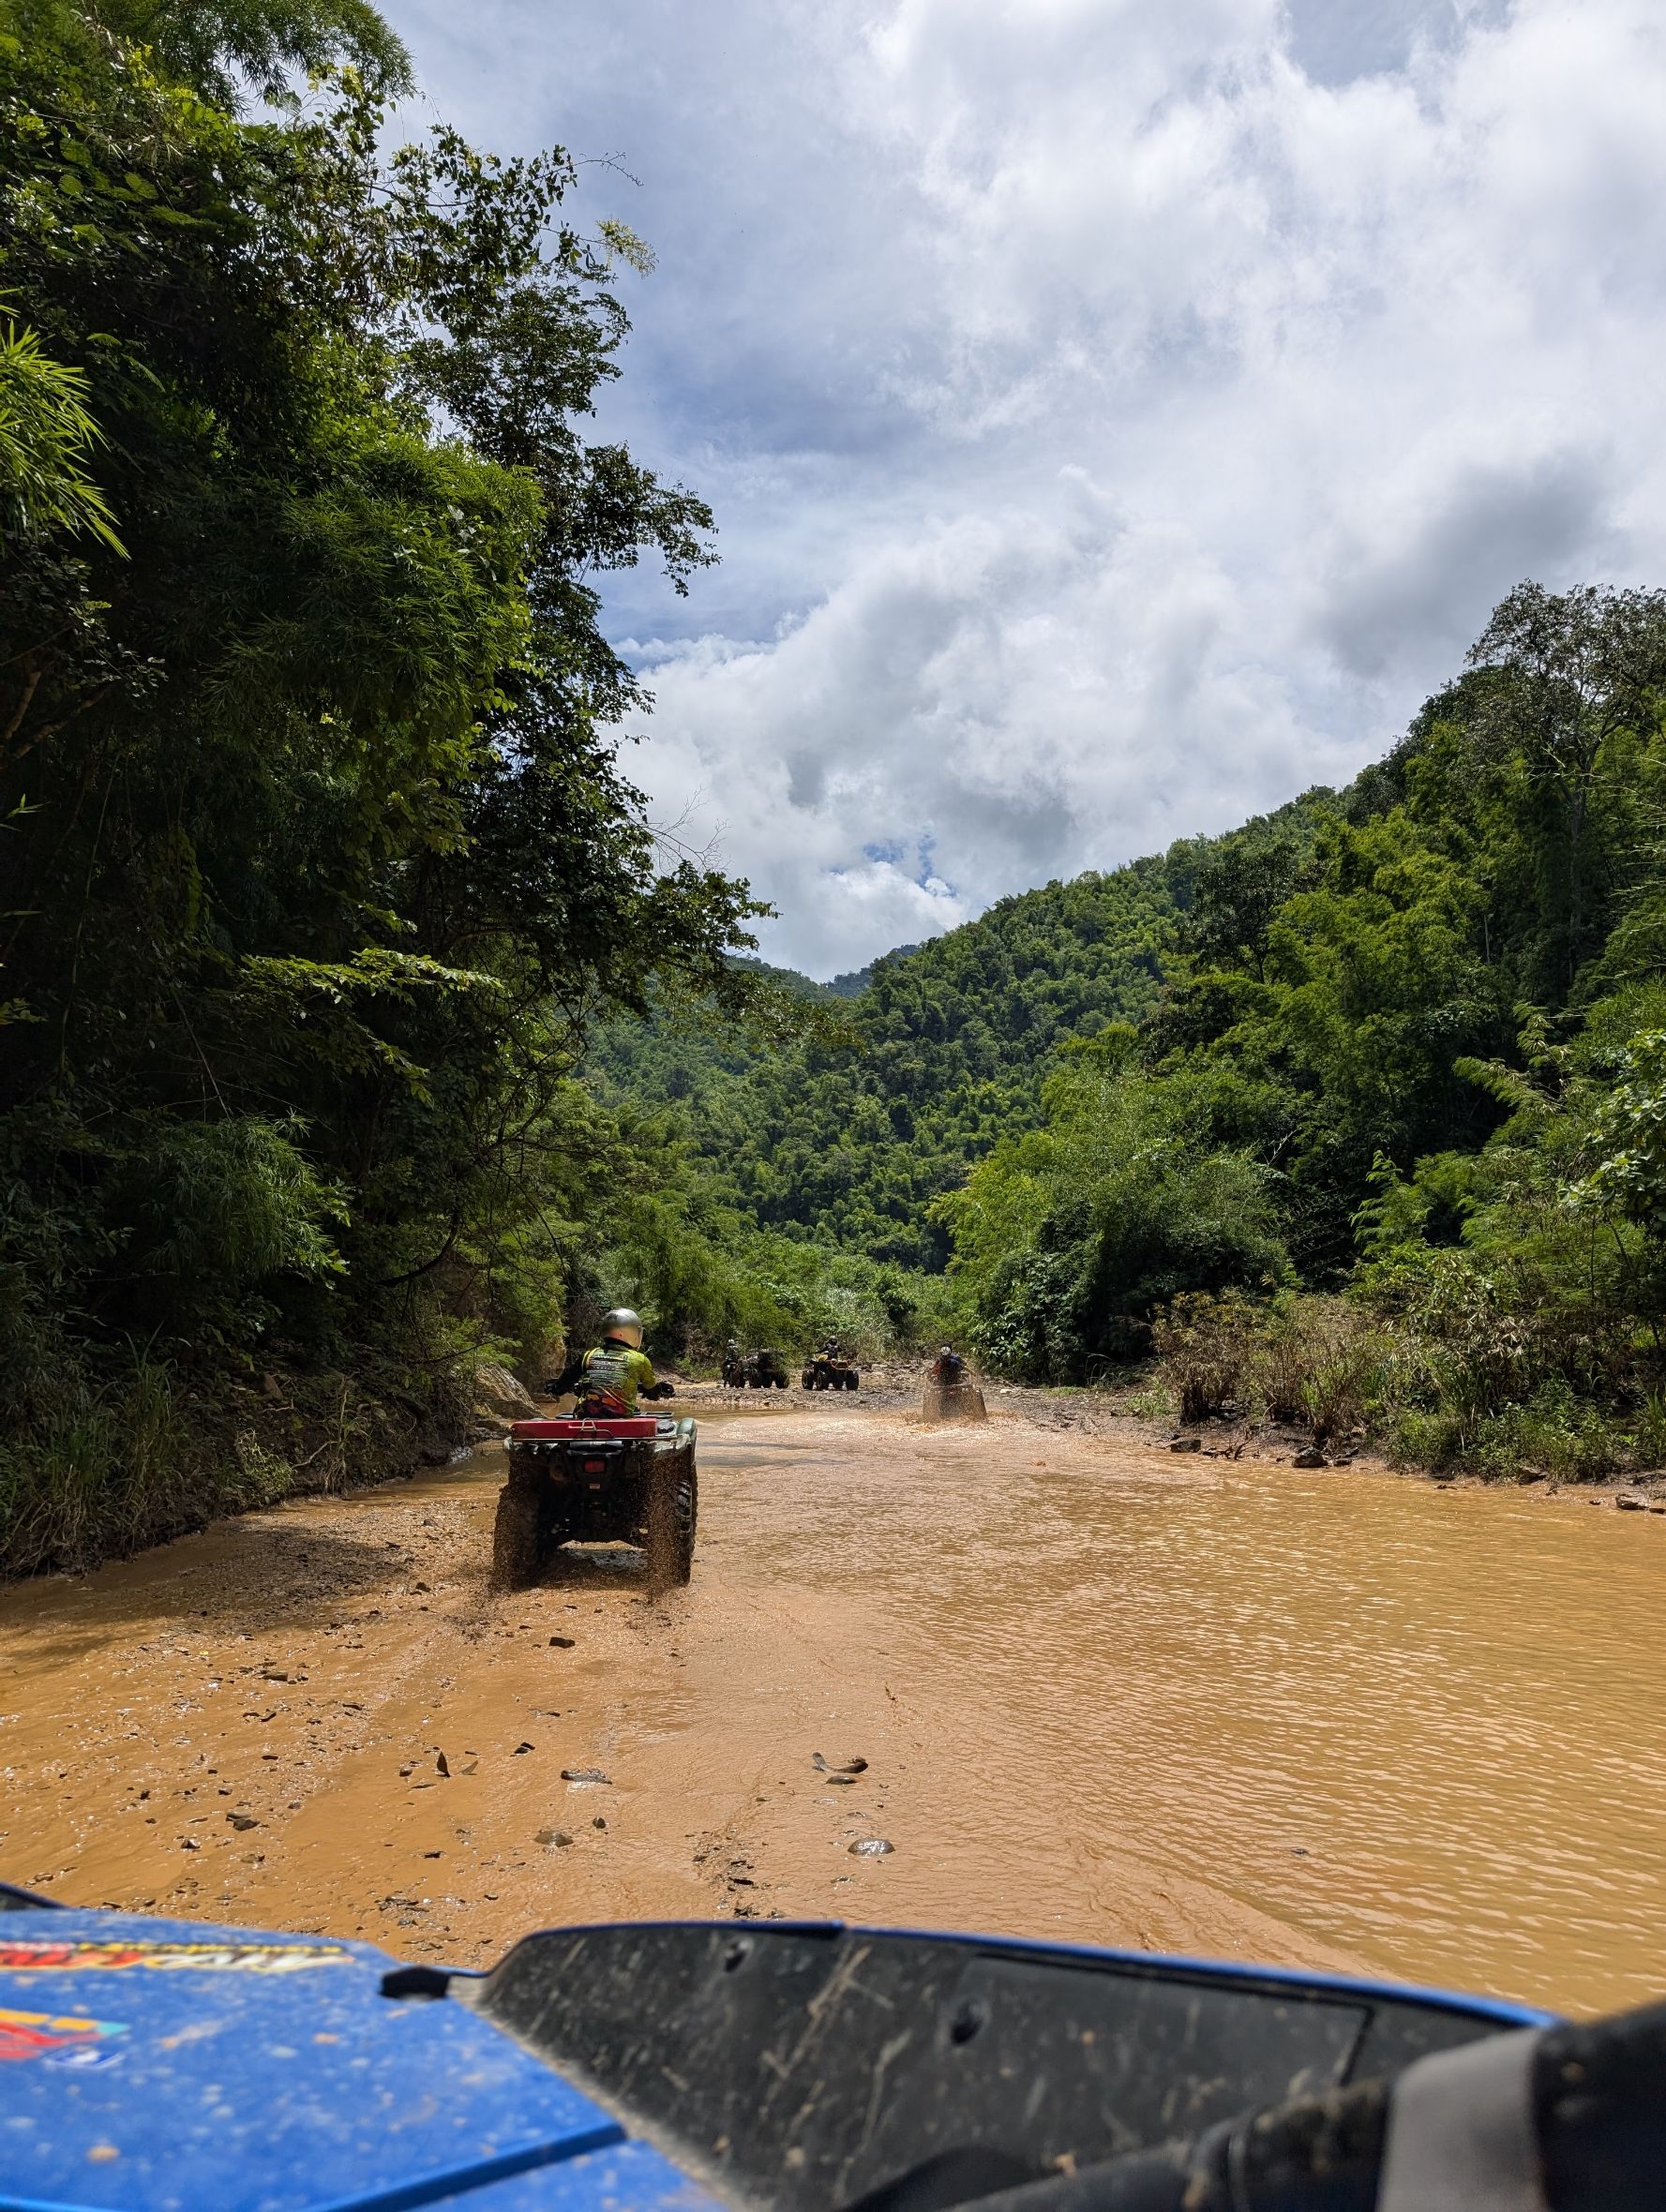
point(625, 1326)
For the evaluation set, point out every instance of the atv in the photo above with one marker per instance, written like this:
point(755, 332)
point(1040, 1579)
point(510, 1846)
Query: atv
point(622, 1481)
point(829, 1370)
point(952, 1392)
point(734, 1369)
point(766, 1371)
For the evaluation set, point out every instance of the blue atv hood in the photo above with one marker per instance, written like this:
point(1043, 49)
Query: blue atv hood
point(162, 2066)
point(152, 2065)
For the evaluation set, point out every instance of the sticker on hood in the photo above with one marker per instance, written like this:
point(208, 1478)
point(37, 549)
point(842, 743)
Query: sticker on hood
point(46, 2035)
point(40, 1955)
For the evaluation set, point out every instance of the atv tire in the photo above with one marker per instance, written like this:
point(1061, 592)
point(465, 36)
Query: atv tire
point(673, 1510)
point(516, 1548)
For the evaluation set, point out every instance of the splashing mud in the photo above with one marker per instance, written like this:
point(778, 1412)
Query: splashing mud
point(1333, 1718)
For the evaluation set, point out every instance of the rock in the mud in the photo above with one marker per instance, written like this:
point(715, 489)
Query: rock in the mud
point(557, 1838)
point(1625, 1503)
point(564, 1643)
point(1313, 1456)
point(521, 1748)
point(871, 1847)
point(497, 1392)
point(584, 1774)
point(1186, 1443)
point(844, 1766)
point(441, 1767)
point(242, 1821)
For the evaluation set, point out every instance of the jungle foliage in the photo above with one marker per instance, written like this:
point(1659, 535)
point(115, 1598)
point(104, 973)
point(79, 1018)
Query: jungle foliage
point(318, 858)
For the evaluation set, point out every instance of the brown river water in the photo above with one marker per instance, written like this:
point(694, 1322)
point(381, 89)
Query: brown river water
point(1103, 1693)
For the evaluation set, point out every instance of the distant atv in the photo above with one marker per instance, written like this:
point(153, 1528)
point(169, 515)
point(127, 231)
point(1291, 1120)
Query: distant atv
point(952, 1393)
point(829, 1370)
point(734, 1369)
point(764, 1370)
point(626, 1481)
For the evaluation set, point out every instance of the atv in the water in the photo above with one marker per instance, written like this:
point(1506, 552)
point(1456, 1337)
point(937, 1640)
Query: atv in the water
point(829, 1370)
point(628, 1481)
point(952, 1391)
point(172, 2066)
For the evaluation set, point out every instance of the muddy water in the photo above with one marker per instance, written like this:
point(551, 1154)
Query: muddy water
point(1424, 1725)
point(1338, 1719)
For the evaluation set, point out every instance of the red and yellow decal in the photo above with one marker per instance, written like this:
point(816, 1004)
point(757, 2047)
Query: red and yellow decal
point(39, 1955)
point(36, 2035)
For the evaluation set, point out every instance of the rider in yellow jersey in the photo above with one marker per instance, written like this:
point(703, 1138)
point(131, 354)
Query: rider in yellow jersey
point(609, 1380)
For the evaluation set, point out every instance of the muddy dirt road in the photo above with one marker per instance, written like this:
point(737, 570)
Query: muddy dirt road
point(1102, 1693)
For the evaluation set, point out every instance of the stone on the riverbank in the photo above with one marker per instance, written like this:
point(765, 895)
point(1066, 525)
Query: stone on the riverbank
point(844, 1766)
point(555, 1838)
point(1313, 1456)
point(584, 1774)
point(871, 1847)
point(1186, 1443)
point(497, 1392)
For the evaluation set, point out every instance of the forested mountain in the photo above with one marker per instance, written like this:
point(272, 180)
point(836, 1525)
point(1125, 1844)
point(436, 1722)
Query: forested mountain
point(1359, 1107)
point(854, 1135)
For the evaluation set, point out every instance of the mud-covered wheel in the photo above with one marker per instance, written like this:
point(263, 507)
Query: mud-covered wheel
point(808, 1382)
point(673, 1508)
point(851, 1380)
point(515, 1548)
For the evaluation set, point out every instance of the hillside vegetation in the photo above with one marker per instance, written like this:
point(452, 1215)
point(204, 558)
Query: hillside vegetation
point(1356, 1114)
point(318, 859)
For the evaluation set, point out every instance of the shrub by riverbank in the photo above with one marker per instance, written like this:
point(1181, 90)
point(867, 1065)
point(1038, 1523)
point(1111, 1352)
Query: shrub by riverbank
point(156, 1451)
point(1482, 1395)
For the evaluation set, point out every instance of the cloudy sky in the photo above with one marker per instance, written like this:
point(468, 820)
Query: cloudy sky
point(1120, 413)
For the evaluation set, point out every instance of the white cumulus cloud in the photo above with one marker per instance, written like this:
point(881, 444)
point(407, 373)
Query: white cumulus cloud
point(1118, 417)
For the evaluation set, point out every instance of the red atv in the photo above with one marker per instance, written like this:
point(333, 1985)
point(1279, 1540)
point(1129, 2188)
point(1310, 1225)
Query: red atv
point(625, 1480)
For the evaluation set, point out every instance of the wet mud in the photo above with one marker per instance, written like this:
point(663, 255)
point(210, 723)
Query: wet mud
point(1081, 1687)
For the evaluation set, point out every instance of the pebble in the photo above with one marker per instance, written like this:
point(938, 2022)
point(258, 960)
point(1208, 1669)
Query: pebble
point(844, 1766)
point(242, 1821)
point(871, 1847)
point(1313, 1456)
point(521, 1747)
point(584, 1774)
point(557, 1837)
point(1186, 1443)
point(564, 1643)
